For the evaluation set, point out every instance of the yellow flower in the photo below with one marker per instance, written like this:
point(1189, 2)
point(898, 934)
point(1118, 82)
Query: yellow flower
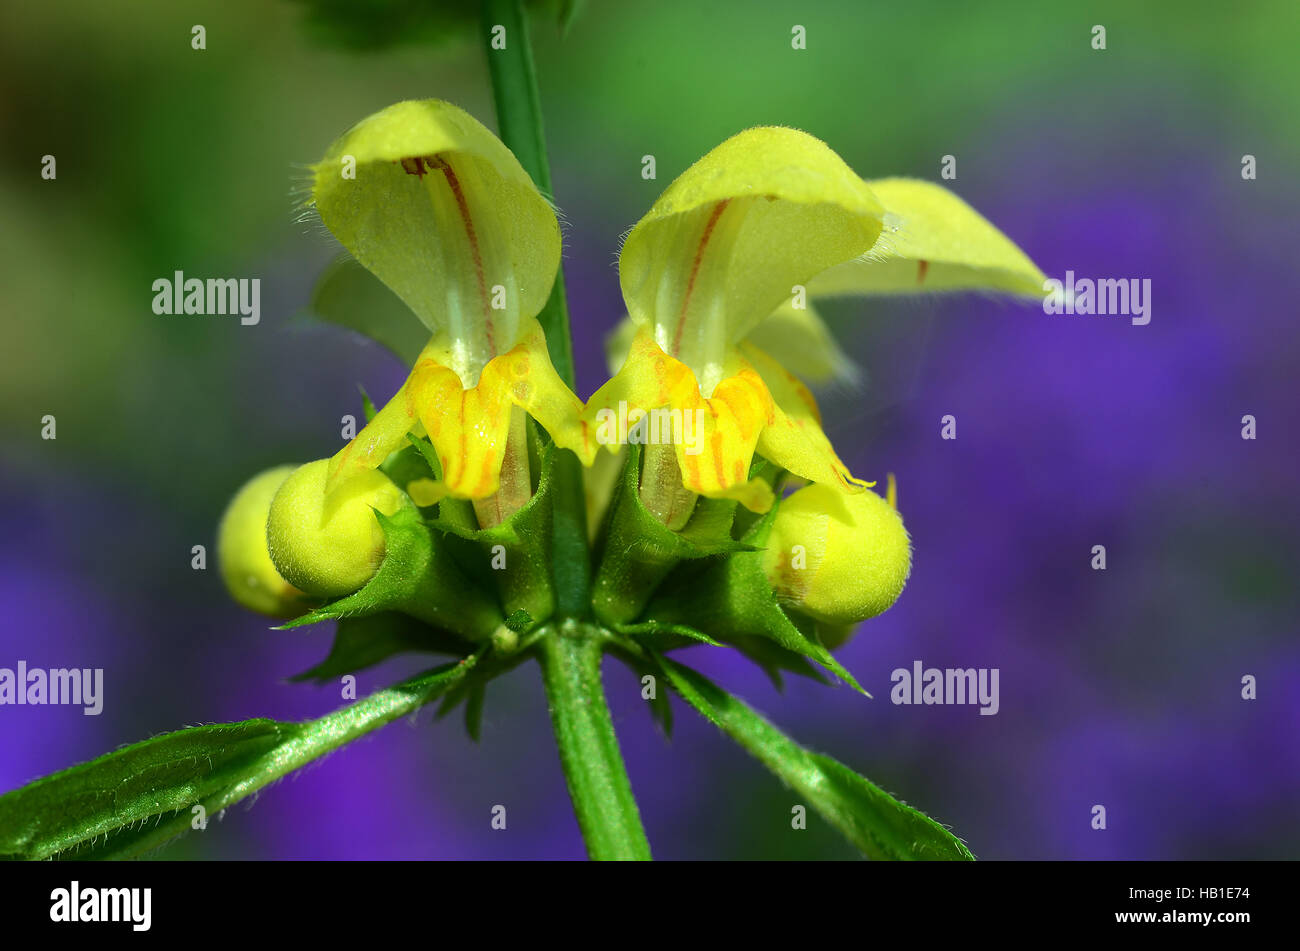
point(719, 251)
point(433, 204)
point(716, 278)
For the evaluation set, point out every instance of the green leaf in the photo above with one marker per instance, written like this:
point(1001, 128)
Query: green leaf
point(361, 642)
point(133, 800)
point(350, 296)
point(874, 821)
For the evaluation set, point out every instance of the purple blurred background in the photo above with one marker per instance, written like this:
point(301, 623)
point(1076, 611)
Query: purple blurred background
point(1119, 687)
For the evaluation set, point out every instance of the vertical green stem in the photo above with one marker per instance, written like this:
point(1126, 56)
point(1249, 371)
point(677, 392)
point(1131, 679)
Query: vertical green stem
point(519, 120)
point(593, 766)
point(569, 652)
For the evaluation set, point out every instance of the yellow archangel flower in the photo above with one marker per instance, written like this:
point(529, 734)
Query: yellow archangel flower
point(437, 207)
point(716, 278)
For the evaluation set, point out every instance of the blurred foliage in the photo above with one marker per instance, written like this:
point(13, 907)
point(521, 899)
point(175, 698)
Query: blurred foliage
point(374, 24)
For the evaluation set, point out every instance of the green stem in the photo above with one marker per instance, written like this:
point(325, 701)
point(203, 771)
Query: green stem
point(593, 766)
point(570, 654)
point(519, 120)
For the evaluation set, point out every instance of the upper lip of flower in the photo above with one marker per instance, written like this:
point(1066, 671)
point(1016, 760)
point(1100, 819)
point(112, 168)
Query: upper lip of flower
point(442, 212)
point(767, 213)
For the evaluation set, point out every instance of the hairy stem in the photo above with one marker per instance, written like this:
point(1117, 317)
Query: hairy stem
point(519, 120)
point(593, 766)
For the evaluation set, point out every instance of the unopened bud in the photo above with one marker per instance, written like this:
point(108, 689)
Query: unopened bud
point(330, 551)
point(837, 557)
point(242, 556)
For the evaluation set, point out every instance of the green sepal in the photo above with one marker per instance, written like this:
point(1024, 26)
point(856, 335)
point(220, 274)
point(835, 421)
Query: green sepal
point(730, 597)
point(419, 576)
point(367, 404)
point(776, 660)
point(525, 584)
point(403, 466)
point(638, 551)
point(665, 637)
point(866, 815)
point(361, 642)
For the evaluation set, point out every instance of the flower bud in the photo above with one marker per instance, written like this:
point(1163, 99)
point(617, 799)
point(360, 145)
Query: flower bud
point(330, 552)
point(836, 557)
point(242, 557)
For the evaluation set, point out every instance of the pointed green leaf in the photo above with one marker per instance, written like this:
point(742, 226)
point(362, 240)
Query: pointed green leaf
point(362, 642)
point(133, 800)
point(875, 822)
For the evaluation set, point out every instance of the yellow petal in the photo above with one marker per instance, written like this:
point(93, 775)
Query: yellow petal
point(933, 241)
point(726, 242)
point(794, 438)
point(468, 426)
point(384, 434)
point(617, 344)
point(806, 345)
point(434, 204)
point(713, 438)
